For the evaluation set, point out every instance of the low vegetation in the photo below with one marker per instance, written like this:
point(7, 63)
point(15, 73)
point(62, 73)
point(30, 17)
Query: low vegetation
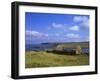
point(51, 59)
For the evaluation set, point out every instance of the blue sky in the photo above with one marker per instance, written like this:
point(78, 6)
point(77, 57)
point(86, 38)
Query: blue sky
point(47, 27)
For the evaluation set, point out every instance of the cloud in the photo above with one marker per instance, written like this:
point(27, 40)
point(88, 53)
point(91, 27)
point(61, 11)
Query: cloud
point(35, 34)
point(83, 20)
point(85, 23)
point(80, 18)
point(74, 28)
point(77, 18)
point(57, 34)
point(55, 25)
point(72, 35)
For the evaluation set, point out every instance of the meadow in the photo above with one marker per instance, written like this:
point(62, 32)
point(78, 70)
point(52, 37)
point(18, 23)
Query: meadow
point(35, 59)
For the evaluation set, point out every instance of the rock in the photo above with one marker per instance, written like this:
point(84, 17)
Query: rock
point(78, 50)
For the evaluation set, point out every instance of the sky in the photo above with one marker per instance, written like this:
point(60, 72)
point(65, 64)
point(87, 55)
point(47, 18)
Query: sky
point(50, 27)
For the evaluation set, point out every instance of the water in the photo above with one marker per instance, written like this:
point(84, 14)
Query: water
point(40, 47)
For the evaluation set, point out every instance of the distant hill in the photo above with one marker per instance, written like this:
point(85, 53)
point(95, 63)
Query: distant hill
point(69, 44)
point(74, 44)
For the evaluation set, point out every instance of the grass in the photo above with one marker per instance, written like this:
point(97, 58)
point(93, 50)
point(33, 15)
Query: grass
point(44, 59)
point(74, 44)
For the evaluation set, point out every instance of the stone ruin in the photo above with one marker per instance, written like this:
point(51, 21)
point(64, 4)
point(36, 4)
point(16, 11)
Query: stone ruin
point(78, 50)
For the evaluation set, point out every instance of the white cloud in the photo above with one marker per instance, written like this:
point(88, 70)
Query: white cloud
point(72, 35)
point(77, 18)
point(55, 25)
point(85, 23)
point(83, 20)
point(80, 18)
point(29, 32)
point(46, 35)
point(35, 34)
point(74, 28)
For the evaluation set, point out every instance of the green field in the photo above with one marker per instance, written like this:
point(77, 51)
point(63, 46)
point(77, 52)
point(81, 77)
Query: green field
point(44, 59)
point(74, 44)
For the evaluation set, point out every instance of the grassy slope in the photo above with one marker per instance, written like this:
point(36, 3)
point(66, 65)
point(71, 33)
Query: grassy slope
point(74, 44)
point(44, 59)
